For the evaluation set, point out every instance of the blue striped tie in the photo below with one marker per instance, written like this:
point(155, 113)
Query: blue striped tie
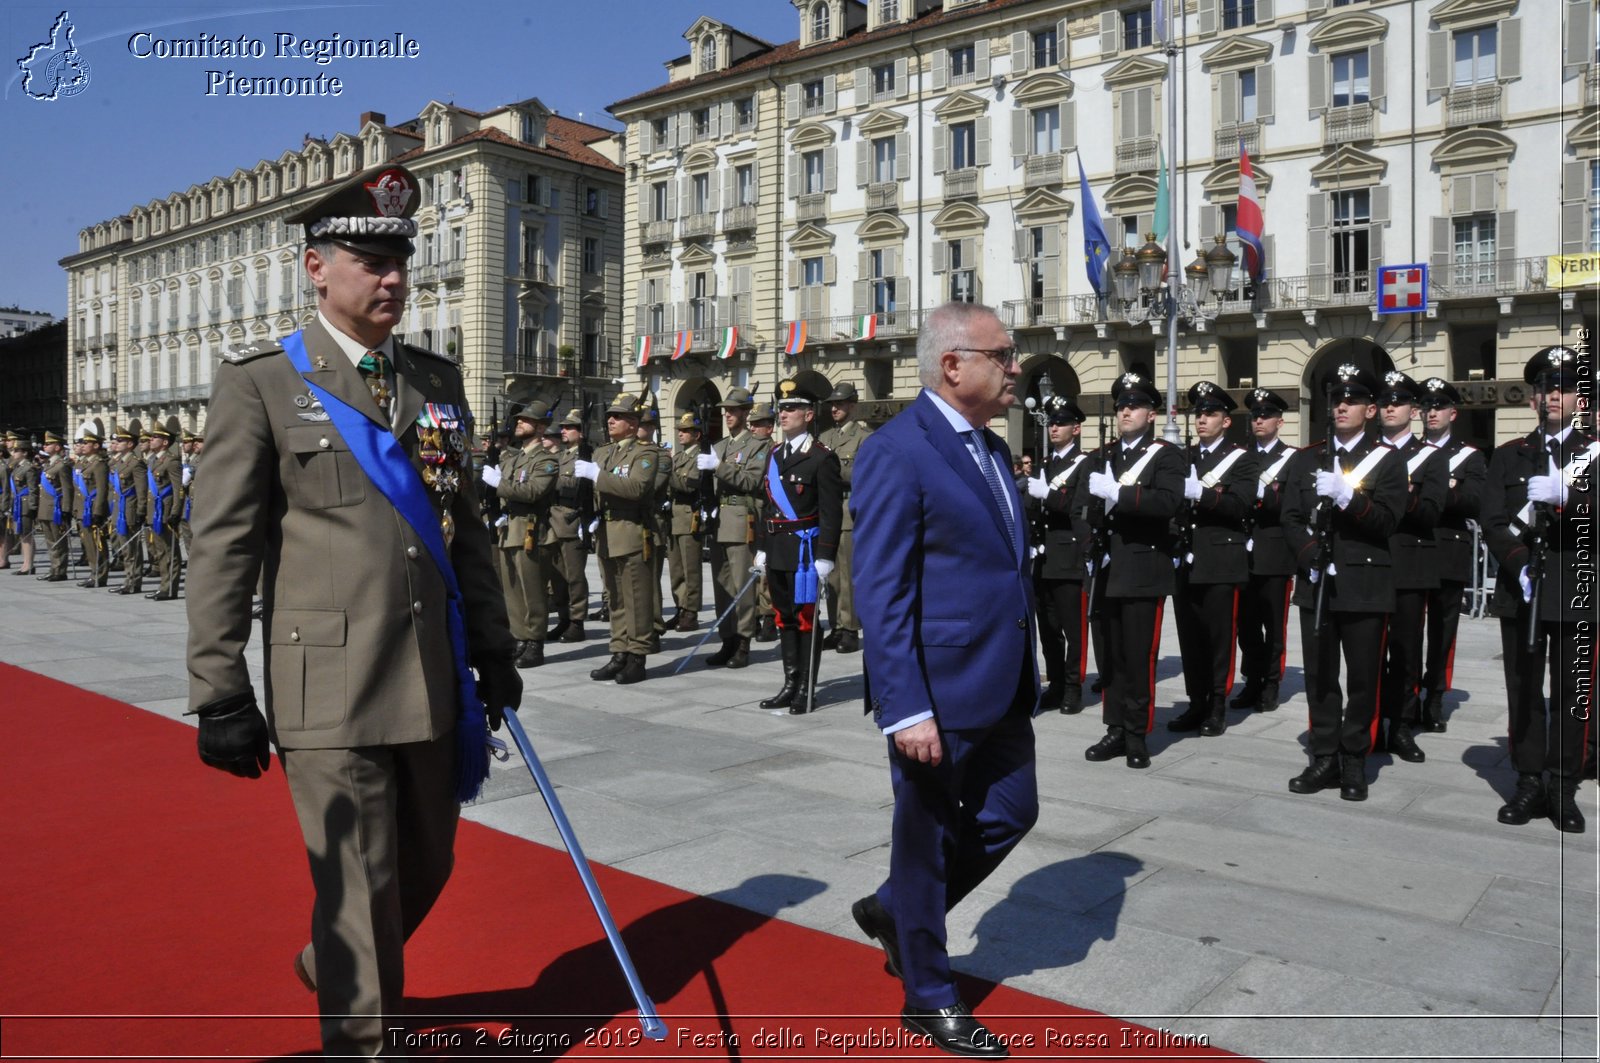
point(995, 486)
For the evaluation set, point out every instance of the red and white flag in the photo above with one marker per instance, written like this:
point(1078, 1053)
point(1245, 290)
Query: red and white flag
point(1250, 223)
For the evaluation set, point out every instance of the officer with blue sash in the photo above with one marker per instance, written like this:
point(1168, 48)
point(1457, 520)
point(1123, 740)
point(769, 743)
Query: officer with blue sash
point(23, 497)
point(797, 539)
point(164, 483)
point(91, 491)
point(55, 505)
point(129, 498)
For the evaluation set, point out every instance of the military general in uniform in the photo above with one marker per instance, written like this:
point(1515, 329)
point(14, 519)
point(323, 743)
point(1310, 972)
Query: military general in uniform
point(91, 489)
point(623, 473)
point(55, 505)
point(692, 494)
point(844, 438)
point(738, 463)
point(340, 471)
point(164, 489)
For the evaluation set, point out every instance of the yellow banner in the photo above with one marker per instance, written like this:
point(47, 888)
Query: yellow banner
point(1574, 271)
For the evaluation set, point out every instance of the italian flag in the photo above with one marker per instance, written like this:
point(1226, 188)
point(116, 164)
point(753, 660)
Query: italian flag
point(641, 346)
point(866, 326)
point(730, 340)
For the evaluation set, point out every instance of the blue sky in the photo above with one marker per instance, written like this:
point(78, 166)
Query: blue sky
point(142, 128)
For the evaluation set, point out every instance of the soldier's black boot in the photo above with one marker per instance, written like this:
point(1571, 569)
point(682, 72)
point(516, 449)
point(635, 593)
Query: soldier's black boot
point(1269, 696)
point(532, 655)
point(1191, 718)
point(611, 669)
point(809, 655)
point(1249, 697)
point(849, 641)
point(687, 621)
point(1114, 744)
point(1528, 801)
point(1321, 774)
point(1403, 744)
point(1562, 797)
point(725, 654)
point(830, 641)
point(1136, 754)
point(1054, 693)
point(1433, 712)
point(516, 651)
point(1216, 720)
point(1352, 777)
point(789, 645)
point(632, 669)
point(768, 630)
point(741, 653)
point(573, 632)
point(555, 633)
point(1072, 699)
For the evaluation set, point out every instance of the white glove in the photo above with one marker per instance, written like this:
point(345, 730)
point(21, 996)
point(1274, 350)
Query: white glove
point(188, 474)
point(1103, 485)
point(491, 475)
point(1261, 490)
point(503, 521)
point(1551, 489)
point(1333, 485)
point(1191, 488)
point(1314, 575)
point(585, 470)
point(1037, 488)
point(824, 569)
point(594, 525)
point(706, 462)
point(760, 562)
point(1526, 582)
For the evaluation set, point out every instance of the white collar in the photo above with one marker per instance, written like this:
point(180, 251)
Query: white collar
point(1398, 443)
point(1444, 441)
point(1064, 451)
point(800, 445)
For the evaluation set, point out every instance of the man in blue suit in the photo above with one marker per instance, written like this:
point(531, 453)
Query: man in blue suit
point(945, 597)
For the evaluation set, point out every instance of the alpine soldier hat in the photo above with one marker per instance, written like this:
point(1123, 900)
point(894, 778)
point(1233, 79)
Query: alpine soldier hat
point(573, 419)
point(533, 412)
point(688, 423)
point(737, 398)
point(761, 413)
point(370, 212)
point(842, 392)
point(624, 405)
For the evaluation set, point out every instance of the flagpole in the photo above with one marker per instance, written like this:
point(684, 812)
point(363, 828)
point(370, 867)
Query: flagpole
point(1174, 263)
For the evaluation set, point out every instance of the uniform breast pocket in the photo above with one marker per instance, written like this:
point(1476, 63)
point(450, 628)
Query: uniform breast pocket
point(322, 472)
point(307, 669)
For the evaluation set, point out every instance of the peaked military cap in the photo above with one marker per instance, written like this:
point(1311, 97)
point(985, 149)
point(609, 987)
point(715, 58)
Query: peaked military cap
point(1399, 389)
point(91, 431)
point(190, 437)
point(129, 433)
point(688, 423)
point(842, 392)
point(168, 431)
point(1261, 401)
point(1352, 382)
point(1135, 389)
point(737, 398)
point(1437, 393)
point(52, 436)
point(1204, 397)
point(1058, 409)
point(370, 212)
point(13, 436)
point(761, 413)
point(1557, 365)
point(533, 412)
point(792, 393)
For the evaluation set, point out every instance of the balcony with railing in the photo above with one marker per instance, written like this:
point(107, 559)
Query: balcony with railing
point(192, 393)
point(1042, 171)
point(893, 324)
point(1136, 155)
point(454, 270)
point(961, 184)
point(1228, 138)
point(1038, 313)
point(655, 232)
point(698, 225)
point(535, 272)
point(883, 195)
point(428, 274)
point(813, 206)
point(1351, 124)
point(1591, 86)
point(1466, 105)
point(548, 364)
point(739, 219)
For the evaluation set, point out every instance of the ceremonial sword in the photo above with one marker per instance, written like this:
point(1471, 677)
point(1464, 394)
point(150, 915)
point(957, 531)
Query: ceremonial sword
point(755, 574)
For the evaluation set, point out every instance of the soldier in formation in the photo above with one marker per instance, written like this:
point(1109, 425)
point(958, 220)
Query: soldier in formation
point(570, 514)
point(1264, 603)
point(130, 494)
point(164, 493)
point(738, 462)
point(844, 437)
point(623, 474)
point(56, 499)
point(22, 498)
point(525, 482)
point(1059, 571)
point(691, 493)
point(763, 418)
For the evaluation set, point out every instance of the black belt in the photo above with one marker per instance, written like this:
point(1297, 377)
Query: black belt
point(776, 526)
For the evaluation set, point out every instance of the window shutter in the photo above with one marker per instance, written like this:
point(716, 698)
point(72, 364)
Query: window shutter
point(1317, 87)
point(1208, 17)
point(829, 100)
point(644, 138)
point(1380, 205)
point(830, 169)
point(902, 78)
point(1439, 258)
point(727, 119)
point(1263, 12)
point(791, 101)
point(674, 132)
point(981, 59)
point(1317, 233)
point(1019, 137)
point(902, 156)
point(795, 173)
point(715, 120)
point(755, 181)
point(680, 316)
point(1063, 45)
point(1051, 270)
point(864, 152)
point(861, 297)
point(1316, 7)
point(1069, 125)
point(863, 86)
point(1461, 194)
point(1375, 68)
point(941, 255)
point(1019, 245)
point(1438, 61)
point(1574, 206)
point(686, 194)
point(1484, 193)
point(1510, 49)
point(724, 312)
point(1147, 111)
point(980, 140)
point(730, 190)
point(1052, 241)
point(1210, 223)
point(969, 252)
point(1579, 41)
point(1505, 246)
point(604, 203)
point(939, 76)
point(555, 196)
point(1263, 90)
point(711, 282)
point(713, 195)
point(1019, 53)
point(863, 263)
point(794, 273)
point(830, 269)
point(1374, 244)
point(1228, 98)
point(891, 259)
point(672, 200)
point(640, 319)
point(1108, 33)
point(941, 149)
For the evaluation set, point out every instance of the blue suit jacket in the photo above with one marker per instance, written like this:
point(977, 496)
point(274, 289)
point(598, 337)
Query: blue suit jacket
point(944, 597)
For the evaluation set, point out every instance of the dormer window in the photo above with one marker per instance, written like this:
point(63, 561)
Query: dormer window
point(708, 55)
point(528, 135)
point(888, 11)
point(821, 23)
point(438, 130)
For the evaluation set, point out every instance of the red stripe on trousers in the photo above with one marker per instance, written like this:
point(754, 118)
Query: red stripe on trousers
point(1233, 642)
point(1155, 648)
point(1283, 636)
point(1377, 696)
point(1083, 637)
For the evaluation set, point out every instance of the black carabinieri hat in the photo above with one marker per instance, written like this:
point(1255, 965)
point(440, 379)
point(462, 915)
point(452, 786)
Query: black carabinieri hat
point(1437, 393)
point(1399, 390)
point(1206, 397)
point(1132, 389)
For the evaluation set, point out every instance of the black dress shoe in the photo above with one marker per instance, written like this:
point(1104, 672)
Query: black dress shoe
point(849, 641)
point(1216, 721)
point(1561, 796)
point(611, 669)
point(1403, 745)
point(53, 579)
point(1323, 773)
point(1099, 684)
point(1137, 755)
point(830, 641)
point(573, 633)
point(1269, 696)
point(632, 669)
point(1249, 697)
point(161, 596)
point(531, 655)
point(767, 631)
point(1352, 777)
point(1055, 693)
point(876, 922)
point(1114, 744)
point(687, 621)
point(1527, 803)
point(954, 1030)
point(555, 633)
point(1433, 713)
point(1072, 702)
point(601, 614)
point(1191, 718)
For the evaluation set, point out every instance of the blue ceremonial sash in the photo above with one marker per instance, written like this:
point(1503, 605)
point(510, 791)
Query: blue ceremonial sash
point(391, 472)
point(85, 494)
point(119, 498)
point(55, 499)
point(18, 493)
point(158, 502)
point(805, 576)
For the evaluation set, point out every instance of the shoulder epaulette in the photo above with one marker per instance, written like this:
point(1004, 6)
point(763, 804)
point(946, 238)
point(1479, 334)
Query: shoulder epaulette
point(238, 355)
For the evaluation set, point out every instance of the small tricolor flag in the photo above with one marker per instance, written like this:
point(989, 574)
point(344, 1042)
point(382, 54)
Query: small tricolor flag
point(680, 345)
point(1250, 223)
point(642, 348)
point(796, 341)
point(866, 326)
point(730, 340)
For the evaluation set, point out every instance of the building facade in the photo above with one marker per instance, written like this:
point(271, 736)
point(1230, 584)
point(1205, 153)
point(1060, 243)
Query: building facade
point(14, 321)
point(517, 273)
point(33, 380)
point(901, 153)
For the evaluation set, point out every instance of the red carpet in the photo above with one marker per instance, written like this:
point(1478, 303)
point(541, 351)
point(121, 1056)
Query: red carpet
point(154, 905)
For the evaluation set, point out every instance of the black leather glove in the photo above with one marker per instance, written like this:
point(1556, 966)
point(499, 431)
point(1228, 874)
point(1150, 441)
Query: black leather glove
point(500, 687)
point(233, 735)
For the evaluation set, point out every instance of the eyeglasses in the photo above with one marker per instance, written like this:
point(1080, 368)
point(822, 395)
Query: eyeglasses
point(1001, 356)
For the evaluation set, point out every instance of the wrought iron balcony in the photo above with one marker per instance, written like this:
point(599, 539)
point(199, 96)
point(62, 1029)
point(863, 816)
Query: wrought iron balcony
point(534, 273)
point(1037, 313)
point(961, 184)
point(192, 393)
point(1467, 105)
point(1347, 125)
point(697, 225)
point(811, 207)
point(551, 365)
point(1229, 137)
point(1040, 171)
point(1136, 155)
point(739, 219)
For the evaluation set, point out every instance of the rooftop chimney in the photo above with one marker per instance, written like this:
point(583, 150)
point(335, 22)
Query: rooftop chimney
point(372, 116)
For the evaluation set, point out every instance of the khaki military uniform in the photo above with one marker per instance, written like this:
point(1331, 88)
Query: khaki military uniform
point(684, 531)
point(9, 539)
point(56, 498)
point(191, 465)
point(845, 440)
point(165, 482)
point(527, 484)
point(91, 492)
point(22, 501)
point(742, 468)
point(130, 498)
point(624, 493)
point(565, 548)
point(661, 530)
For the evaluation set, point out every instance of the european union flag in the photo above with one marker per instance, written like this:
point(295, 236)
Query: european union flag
point(1096, 248)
